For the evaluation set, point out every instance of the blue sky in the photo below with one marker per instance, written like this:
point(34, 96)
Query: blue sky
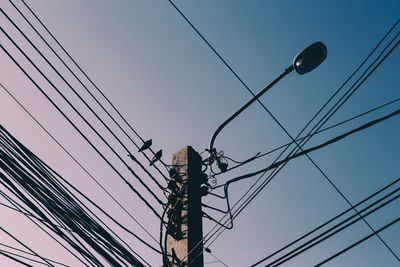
point(172, 88)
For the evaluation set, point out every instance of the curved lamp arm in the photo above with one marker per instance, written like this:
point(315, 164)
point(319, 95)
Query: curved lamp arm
point(307, 60)
point(211, 145)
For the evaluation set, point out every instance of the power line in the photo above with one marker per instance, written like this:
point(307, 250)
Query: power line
point(260, 155)
point(273, 174)
point(286, 160)
point(359, 242)
point(25, 246)
point(215, 257)
point(391, 50)
point(79, 113)
point(89, 79)
point(306, 151)
point(231, 70)
point(79, 131)
point(99, 208)
point(24, 257)
point(40, 182)
point(293, 139)
point(41, 228)
point(75, 92)
point(85, 170)
point(31, 254)
point(14, 259)
point(377, 65)
point(356, 88)
point(327, 128)
point(331, 231)
point(333, 219)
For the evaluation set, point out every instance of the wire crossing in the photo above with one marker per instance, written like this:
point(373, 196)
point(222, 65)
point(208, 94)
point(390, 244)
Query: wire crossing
point(273, 174)
point(89, 79)
point(90, 175)
point(39, 188)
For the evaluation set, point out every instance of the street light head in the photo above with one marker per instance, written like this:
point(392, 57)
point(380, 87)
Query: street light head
point(310, 58)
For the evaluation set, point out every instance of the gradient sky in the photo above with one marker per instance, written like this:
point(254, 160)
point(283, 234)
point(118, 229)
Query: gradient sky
point(172, 88)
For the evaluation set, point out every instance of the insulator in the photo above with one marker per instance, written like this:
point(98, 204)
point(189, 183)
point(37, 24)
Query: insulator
point(223, 166)
point(204, 191)
point(172, 186)
point(172, 198)
point(203, 178)
point(178, 206)
point(172, 173)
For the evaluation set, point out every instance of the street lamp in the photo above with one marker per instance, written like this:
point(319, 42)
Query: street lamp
point(304, 62)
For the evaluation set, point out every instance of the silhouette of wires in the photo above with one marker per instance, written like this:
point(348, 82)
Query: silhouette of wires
point(330, 221)
point(82, 134)
point(88, 78)
point(86, 171)
point(261, 155)
point(348, 95)
point(46, 262)
point(337, 106)
point(215, 257)
point(345, 97)
point(36, 186)
point(78, 112)
point(358, 242)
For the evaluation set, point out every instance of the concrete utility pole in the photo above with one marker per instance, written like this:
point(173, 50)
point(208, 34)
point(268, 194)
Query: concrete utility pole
point(185, 227)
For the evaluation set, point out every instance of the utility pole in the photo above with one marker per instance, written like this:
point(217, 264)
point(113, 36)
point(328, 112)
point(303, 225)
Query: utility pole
point(185, 226)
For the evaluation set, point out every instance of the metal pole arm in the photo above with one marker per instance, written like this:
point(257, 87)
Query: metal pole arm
point(287, 71)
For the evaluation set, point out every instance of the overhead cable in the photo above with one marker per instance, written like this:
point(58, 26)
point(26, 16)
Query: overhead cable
point(274, 173)
point(86, 171)
point(88, 78)
point(80, 132)
point(82, 117)
point(331, 220)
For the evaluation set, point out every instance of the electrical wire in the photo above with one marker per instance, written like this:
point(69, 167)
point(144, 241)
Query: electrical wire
point(94, 204)
point(44, 230)
point(287, 159)
point(85, 120)
point(372, 71)
point(325, 129)
point(332, 220)
point(267, 181)
point(359, 242)
point(25, 246)
point(88, 78)
point(306, 151)
point(205, 215)
point(229, 67)
point(99, 208)
point(166, 254)
point(24, 257)
point(293, 139)
point(80, 132)
point(377, 65)
point(58, 201)
point(14, 259)
point(31, 254)
point(241, 79)
point(86, 171)
point(215, 257)
point(331, 231)
point(80, 98)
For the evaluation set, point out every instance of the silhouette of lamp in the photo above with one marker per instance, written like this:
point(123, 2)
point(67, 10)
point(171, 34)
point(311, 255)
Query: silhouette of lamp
point(304, 62)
